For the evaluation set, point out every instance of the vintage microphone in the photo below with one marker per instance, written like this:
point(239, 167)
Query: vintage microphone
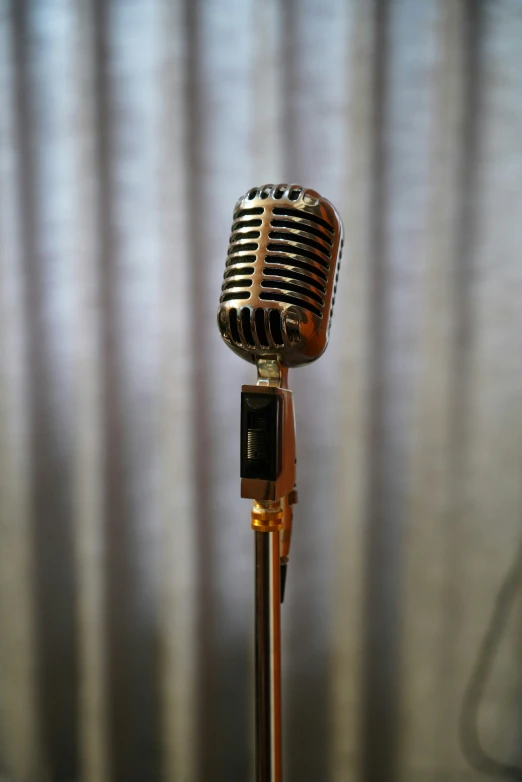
point(275, 310)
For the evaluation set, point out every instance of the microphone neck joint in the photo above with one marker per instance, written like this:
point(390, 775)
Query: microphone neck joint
point(270, 372)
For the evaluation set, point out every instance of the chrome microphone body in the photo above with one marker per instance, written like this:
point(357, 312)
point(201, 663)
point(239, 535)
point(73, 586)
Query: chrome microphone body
point(275, 310)
point(281, 274)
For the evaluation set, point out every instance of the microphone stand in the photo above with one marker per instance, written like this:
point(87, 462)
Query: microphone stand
point(268, 740)
point(268, 477)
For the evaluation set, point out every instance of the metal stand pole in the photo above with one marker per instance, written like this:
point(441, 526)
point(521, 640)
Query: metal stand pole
point(268, 477)
point(268, 658)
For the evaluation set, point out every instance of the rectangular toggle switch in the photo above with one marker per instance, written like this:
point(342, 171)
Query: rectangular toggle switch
point(260, 435)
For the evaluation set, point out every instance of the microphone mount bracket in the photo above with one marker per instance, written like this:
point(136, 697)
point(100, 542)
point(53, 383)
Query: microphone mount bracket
point(268, 453)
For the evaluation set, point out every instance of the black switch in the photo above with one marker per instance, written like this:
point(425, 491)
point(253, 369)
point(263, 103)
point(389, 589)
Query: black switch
point(259, 436)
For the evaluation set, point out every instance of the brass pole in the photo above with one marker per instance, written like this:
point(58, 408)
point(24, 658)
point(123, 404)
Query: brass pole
point(268, 658)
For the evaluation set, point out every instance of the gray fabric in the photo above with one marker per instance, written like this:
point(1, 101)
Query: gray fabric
point(127, 132)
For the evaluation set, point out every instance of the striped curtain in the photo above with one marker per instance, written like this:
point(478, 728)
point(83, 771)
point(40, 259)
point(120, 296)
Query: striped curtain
point(128, 129)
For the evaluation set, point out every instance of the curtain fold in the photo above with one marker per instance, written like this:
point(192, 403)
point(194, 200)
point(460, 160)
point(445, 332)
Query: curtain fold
point(128, 130)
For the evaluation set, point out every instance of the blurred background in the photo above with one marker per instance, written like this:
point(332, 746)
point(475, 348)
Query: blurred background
point(128, 129)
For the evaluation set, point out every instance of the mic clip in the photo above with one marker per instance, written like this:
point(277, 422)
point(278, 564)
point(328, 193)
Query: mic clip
point(268, 453)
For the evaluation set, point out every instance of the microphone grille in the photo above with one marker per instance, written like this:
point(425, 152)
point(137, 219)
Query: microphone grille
point(280, 274)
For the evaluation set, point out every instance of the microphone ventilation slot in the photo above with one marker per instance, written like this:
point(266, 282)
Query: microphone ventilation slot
point(239, 236)
point(256, 210)
point(259, 320)
point(235, 295)
point(237, 260)
point(297, 251)
point(294, 263)
point(241, 283)
point(293, 226)
point(276, 330)
point(232, 322)
point(302, 215)
point(239, 271)
point(246, 224)
point(292, 275)
point(287, 299)
point(292, 236)
point(282, 285)
point(239, 248)
point(247, 327)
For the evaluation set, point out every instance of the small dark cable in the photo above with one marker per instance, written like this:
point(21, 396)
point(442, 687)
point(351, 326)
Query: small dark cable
point(470, 742)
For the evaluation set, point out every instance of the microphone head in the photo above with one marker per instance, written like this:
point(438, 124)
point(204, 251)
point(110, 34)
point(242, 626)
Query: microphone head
point(281, 275)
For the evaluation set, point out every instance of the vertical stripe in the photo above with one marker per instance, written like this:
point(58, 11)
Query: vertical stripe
point(222, 115)
point(402, 214)
point(89, 436)
point(20, 739)
point(316, 103)
point(131, 172)
point(178, 491)
point(205, 759)
point(378, 697)
point(352, 400)
point(268, 95)
point(428, 645)
point(43, 64)
point(489, 499)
